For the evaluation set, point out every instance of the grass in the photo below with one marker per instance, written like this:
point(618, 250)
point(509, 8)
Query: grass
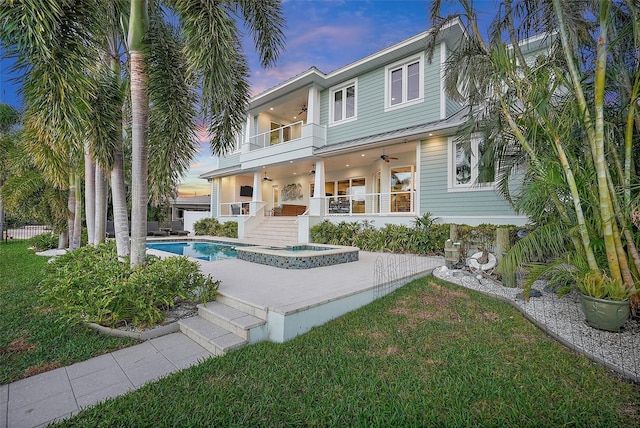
point(430, 354)
point(32, 339)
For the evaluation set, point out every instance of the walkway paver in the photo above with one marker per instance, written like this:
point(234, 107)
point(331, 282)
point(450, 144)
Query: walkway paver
point(60, 393)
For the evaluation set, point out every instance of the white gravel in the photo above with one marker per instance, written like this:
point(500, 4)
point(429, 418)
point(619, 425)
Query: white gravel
point(562, 319)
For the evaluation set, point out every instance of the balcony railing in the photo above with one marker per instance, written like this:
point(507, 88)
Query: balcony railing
point(388, 203)
point(228, 209)
point(280, 135)
point(371, 204)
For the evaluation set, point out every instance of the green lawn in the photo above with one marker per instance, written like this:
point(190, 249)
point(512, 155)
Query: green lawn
point(32, 340)
point(430, 354)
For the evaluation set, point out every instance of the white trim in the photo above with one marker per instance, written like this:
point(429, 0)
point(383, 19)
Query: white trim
point(216, 183)
point(342, 88)
point(418, 172)
point(473, 185)
point(402, 64)
point(443, 97)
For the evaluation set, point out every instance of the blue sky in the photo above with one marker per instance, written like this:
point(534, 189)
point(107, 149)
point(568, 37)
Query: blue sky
point(327, 34)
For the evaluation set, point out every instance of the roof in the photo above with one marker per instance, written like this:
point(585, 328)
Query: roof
point(313, 76)
point(442, 126)
point(192, 200)
point(220, 172)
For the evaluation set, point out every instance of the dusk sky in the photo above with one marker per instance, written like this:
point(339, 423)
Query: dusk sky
point(327, 34)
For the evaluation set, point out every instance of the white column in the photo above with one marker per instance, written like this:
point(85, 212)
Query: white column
point(313, 106)
point(257, 193)
point(385, 187)
point(443, 96)
point(318, 182)
point(245, 144)
point(317, 202)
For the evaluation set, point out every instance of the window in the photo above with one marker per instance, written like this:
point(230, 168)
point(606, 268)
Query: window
point(351, 195)
point(402, 186)
point(467, 168)
point(343, 103)
point(404, 83)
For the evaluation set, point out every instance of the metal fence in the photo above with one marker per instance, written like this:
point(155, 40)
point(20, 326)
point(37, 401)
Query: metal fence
point(13, 231)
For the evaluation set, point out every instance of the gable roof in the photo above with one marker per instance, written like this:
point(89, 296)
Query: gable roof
point(313, 76)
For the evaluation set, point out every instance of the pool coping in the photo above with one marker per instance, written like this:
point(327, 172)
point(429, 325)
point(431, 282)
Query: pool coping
point(272, 255)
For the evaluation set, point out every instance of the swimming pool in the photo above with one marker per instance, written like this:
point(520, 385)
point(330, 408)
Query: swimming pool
point(202, 250)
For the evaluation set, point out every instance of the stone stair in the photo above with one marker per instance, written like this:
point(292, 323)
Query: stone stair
point(275, 230)
point(226, 324)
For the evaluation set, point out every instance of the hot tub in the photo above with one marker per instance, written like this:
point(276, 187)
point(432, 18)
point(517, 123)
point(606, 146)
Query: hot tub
point(304, 256)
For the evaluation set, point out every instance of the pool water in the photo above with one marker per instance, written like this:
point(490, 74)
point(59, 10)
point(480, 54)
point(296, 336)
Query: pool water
point(209, 251)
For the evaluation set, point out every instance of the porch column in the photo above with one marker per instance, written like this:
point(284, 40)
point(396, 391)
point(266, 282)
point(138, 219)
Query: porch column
point(313, 106)
point(245, 144)
point(317, 203)
point(257, 192)
point(385, 187)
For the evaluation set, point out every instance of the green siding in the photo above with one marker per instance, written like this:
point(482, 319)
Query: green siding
point(226, 161)
point(436, 199)
point(372, 119)
point(452, 106)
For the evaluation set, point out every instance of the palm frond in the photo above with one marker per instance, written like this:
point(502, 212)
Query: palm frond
point(544, 242)
point(172, 97)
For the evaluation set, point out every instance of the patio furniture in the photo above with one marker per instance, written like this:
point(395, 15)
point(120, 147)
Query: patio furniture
point(177, 228)
point(289, 210)
point(235, 209)
point(153, 229)
point(339, 207)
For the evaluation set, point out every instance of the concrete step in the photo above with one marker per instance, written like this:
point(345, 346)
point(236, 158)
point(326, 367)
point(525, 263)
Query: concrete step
point(274, 234)
point(213, 338)
point(243, 307)
point(240, 323)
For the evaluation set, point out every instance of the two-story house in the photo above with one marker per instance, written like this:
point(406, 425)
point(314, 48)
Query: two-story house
point(373, 140)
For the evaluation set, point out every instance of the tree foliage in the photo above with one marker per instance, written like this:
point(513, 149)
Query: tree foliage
point(553, 90)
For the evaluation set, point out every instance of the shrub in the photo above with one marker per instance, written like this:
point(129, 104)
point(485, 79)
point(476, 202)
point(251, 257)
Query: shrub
point(211, 226)
point(425, 237)
point(44, 241)
point(91, 285)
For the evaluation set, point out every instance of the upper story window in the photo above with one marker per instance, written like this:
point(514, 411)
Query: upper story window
point(343, 102)
point(404, 82)
point(467, 169)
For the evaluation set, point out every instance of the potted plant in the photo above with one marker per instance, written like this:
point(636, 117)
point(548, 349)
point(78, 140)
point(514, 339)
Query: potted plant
point(605, 302)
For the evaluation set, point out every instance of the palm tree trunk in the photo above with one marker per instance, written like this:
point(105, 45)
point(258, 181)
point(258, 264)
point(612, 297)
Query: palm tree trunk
point(76, 240)
point(1, 217)
point(71, 207)
point(119, 200)
point(606, 213)
point(138, 24)
point(63, 240)
point(100, 206)
point(89, 192)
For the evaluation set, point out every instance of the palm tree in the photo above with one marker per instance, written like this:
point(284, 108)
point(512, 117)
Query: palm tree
point(26, 192)
point(215, 61)
point(547, 118)
point(9, 117)
point(212, 61)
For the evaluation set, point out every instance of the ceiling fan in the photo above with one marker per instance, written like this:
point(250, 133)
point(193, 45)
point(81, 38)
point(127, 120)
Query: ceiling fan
point(303, 109)
point(386, 158)
point(312, 171)
point(265, 178)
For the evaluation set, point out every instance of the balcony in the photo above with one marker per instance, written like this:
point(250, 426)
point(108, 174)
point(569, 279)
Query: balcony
point(290, 142)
